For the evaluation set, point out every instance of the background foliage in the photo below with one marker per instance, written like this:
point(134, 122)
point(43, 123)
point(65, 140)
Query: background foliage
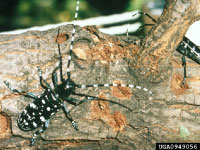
point(15, 14)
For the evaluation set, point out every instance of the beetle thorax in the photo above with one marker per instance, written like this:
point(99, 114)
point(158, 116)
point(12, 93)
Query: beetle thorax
point(66, 88)
point(70, 85)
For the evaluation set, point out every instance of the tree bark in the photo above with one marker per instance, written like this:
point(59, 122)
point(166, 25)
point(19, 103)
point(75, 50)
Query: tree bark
point(171, 114)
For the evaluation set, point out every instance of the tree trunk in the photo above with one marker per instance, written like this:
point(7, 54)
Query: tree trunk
point(171, 114)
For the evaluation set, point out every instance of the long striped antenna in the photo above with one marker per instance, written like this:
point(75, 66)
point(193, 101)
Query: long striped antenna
point(127, 30)
point(114, 85)
point(146, 14)
point(72, 39)
point(142, 13)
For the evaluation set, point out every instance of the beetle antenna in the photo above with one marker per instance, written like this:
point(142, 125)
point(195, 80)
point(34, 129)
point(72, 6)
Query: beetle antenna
point(72, 39)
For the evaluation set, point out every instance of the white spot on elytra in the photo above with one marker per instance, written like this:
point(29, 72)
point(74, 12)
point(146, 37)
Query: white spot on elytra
point(43, 102)
point(32, 105)
point(53, 97)
point(42, 119)
point(34, 124)
point(48, 109)
point(29, 117)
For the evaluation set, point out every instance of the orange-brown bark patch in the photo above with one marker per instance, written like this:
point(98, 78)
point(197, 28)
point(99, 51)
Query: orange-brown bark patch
point(108, 49)
point(166, 129)
point(176, 87)
point(93, 32)
point(100, 111)
point(119, 121)
point(193, 79)
point(4, 126)
point(181, 106)
point(81, 50)
point(121, 92)
point(176, 63)
point(62, 37)
point(153, 60)
point(187, 108)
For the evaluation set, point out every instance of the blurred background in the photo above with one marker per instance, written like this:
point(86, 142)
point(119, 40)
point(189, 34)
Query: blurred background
point(21, 14)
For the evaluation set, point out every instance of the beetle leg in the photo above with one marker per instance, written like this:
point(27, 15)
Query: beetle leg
point(58, 67)
point(26, 94)
point(67, 113)
point(41, 78)
point(44, 127)
point(54, 77)
point(75, 101)
point(184, 68)
point(46, 86)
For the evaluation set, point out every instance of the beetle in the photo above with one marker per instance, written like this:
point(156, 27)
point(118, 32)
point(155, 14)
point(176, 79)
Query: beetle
point(38, 113)
point(189, 49)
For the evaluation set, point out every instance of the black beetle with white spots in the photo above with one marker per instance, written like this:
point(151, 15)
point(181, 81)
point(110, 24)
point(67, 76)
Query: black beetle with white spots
point(38, 113)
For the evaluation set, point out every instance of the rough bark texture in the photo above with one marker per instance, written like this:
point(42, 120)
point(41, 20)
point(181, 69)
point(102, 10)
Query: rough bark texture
point(171, 114)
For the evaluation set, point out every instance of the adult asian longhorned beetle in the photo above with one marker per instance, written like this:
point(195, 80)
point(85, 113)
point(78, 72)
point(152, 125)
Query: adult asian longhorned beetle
point(44, 106)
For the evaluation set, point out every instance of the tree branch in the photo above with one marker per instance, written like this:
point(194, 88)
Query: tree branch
point(157, 48)
point(171, 114)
